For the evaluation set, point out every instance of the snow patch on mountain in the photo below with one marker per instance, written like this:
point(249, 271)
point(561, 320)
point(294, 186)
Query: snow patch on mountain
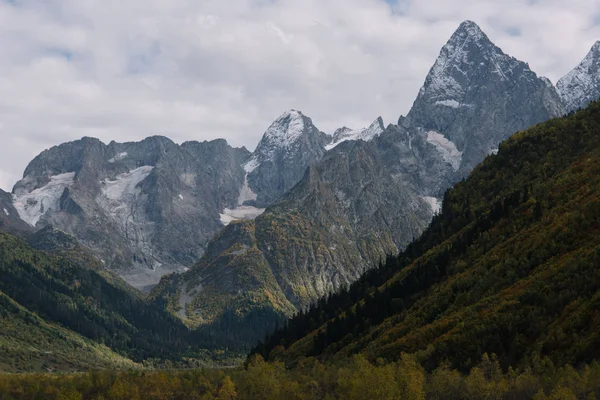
point(6, 212)
point(118, 157)
point(251, 165)
point(34, 205)
point(434, 203)
point(344, 134)
point(242, 212)
point(125, 186)
point(446, 148)
point(122, 200)
point(246, 193)
point(449, 103)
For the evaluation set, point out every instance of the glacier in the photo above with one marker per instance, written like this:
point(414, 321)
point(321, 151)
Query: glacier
point(446, 148)
point(34, 205)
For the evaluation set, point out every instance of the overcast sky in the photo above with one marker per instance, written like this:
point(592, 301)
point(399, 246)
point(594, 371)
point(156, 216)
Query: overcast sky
point(202, 69)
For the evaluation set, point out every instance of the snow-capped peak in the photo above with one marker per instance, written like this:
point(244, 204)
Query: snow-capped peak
point(287, 128)
point(366, 134)
point(582, 84)
point(470, 29)
point(458, 46)
point(467, 51)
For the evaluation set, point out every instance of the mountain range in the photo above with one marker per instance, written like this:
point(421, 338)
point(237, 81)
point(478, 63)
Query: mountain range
point(255, 237)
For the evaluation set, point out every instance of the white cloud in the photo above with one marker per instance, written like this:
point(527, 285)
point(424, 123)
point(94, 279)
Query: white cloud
point(197, 70)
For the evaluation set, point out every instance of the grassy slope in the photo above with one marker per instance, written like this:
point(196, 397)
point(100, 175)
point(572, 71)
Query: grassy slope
point(71, 290)
point(28, 343)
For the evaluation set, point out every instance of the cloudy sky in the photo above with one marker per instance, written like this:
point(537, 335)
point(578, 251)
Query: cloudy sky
point(202, 69)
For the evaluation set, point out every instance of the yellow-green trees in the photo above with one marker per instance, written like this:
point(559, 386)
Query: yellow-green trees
point(68, 392)
point(227, 390)
point(261, 381)
point(362, 380)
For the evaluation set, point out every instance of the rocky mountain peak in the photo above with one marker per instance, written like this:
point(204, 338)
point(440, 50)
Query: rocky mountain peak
point(472, 81)
point(145, 208)
point(366, 134)
point(284, 132)
point(289, 145)
point(467, 53)
point(469, 29)
point(582, 84)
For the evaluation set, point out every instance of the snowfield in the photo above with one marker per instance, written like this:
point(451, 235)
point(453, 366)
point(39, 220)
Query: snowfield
point(34, 205)
point(446, 148)
point(242, 212)
point(434, 203)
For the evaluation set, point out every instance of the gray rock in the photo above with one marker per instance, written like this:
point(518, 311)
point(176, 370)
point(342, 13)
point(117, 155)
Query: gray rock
point(582, 84)
point(476, 96)
point(344, 216)
point(344, 134)
point(414, 161)
point(10, 221)
point(289, 145)
point(144, 208)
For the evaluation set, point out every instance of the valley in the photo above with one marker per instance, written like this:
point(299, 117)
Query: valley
point(450, 254)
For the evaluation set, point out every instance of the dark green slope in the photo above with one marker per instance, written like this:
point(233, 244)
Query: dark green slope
point(511, 267)
point(30, 344)
point(70, 289)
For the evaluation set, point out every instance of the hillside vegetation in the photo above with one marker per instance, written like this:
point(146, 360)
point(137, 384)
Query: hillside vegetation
point(509, 267)
point(28, 343)
point(47, 297)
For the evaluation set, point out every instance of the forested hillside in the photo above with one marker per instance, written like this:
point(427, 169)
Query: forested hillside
point(509, 267)
point(43, 293)
point(28, 343)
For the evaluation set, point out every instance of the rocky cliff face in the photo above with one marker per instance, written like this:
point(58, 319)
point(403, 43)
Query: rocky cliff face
point(475, 96)
point(344, 216)
point(9, 216)
point(144, 208)
point(582, 85)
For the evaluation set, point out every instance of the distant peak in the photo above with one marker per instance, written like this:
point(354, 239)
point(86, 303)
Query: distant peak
point(366, 134)
point(594, 53)
point(469, 25)
point(582, 84)
point(466, 52)
point(292, 113)
point(376, 126)
point(469, 30)
point(287, 128)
